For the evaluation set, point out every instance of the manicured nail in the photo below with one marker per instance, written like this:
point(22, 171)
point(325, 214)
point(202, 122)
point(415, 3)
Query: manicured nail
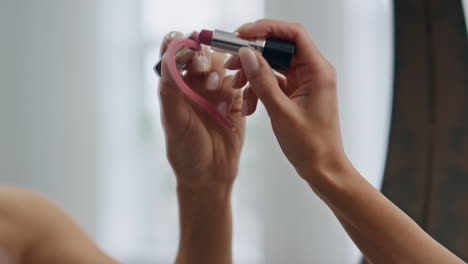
point(245, 107)
point(184, 56)
point(236, 80)
point(249, 61)
point(230, 62)
point(222, 108)
point(202, 63)
point(169, 36)
point(174, 34)
point(212, 82)
point(183, 52)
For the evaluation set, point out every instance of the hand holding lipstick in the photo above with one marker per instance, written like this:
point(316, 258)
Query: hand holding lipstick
point(196, 144)
point(302, 104)
point(303, 108)
point(203, 154)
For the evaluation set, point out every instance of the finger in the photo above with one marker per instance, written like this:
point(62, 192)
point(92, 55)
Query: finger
point(233, 63)
point(283, 84)
point(233, 98)
point(249, 102)
point(208, 85)
point(306, 50)
point(184, 57)
point(263, 81)
point(212, 82)
point(217, 62)
point(250, 99)
point(173, 107)
point(226, 98)
point(235, 114)
point(201, 63)
point(167, 39)
point(239, 80)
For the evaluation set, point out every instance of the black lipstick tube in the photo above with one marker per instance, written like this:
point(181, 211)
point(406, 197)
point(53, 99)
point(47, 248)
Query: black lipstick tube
point(277, 52)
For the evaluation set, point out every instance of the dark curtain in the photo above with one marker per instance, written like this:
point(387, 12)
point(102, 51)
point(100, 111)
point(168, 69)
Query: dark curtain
point(426, 173)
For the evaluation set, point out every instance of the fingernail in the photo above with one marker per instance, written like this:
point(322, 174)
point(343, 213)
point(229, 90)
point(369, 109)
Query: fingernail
point(205, 51)
point(202, 64)
point(222, 108)
point(169, 36)
point(212, 82)
point(231, 62)
point(184, 55)
point(174, 34)
point(249, 61)
point(228, 62)
point(245, 107)
point(236, 79)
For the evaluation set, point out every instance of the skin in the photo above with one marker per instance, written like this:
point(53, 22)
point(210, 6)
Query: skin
point(35, 230)
point(303, 109)
point(204, 157)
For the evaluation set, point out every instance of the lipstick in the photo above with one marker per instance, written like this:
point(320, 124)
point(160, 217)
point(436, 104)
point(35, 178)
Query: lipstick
point(276, 51)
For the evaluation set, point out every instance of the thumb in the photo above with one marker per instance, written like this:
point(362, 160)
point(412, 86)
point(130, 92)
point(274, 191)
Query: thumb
point(262, 80)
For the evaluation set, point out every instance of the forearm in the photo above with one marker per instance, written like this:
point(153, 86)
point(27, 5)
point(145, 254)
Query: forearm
point(370, 250)
point(383, 232)
point(205, 224)
point(35, 230)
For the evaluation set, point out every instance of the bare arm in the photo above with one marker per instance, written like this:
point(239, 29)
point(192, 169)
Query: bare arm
point(303, 109)
point(204, 156)
point(205, 225)
point(35, 230)
point(383, 232)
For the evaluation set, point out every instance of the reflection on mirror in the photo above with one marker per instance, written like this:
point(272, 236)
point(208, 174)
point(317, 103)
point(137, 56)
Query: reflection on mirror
point(265, 144)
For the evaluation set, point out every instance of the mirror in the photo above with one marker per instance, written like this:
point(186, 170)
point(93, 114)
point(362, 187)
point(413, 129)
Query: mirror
point(80, 121)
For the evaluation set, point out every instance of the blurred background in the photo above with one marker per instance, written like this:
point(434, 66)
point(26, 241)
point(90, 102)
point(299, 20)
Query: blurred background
point(79, 120)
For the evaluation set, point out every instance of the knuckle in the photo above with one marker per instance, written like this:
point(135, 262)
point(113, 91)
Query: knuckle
point(329, 75)
point(298, 27)
point(170, 36)
point(264, 20)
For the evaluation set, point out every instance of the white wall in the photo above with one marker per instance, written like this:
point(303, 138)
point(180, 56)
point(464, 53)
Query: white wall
point(356, 36)
point(48, 101)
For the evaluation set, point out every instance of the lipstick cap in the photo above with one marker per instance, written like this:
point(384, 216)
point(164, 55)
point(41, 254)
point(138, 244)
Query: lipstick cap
point(278, 53)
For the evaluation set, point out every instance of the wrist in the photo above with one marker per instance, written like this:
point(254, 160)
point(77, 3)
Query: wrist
point(206, 178)
point(209, 194)
point(202, 207)
point(327, 171)
point(205, 223)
